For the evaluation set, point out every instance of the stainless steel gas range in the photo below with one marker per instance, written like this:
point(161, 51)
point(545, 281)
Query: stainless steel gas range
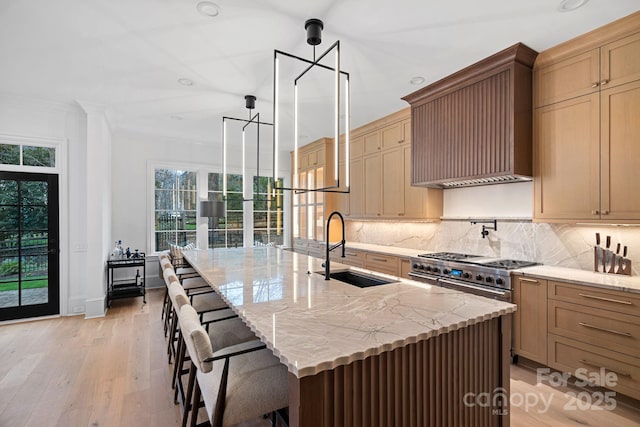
point(487, 277)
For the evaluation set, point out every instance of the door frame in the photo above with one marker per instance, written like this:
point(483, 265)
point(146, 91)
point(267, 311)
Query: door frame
point(61, 169)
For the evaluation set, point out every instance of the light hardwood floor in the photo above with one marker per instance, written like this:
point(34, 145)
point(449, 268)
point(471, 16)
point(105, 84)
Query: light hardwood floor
point(113, 371)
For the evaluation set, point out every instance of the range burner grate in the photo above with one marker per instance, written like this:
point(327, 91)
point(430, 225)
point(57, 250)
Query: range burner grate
point(509, 264)
point(448, 256)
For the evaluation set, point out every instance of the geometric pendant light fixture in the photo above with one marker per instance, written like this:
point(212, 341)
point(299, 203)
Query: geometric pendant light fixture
point(250, 104)
point(337, 85)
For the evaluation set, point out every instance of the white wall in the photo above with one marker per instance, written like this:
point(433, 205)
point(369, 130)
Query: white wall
point(514, 200)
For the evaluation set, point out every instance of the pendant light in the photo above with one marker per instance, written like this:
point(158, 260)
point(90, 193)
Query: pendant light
point(314, 29)
point(250, 104)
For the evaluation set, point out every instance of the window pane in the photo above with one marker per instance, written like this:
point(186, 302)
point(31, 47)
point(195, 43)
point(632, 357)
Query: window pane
point(165, 179)
point(228, 230)
point(8, 191)
point(9, 154)
point(34, 193)
point(35, 217)
point(175, 206)
point(38, 156)
point(9, 218)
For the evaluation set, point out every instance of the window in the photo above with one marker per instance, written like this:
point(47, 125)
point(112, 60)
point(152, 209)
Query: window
point(175, 208)
point(228, 231)
point(27, 155)
point(267, 212)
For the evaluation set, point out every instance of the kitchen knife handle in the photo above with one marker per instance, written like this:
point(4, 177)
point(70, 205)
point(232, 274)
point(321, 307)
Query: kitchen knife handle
point(608, 242)
point(598, 239)
point(624, 252)
point(618, 249)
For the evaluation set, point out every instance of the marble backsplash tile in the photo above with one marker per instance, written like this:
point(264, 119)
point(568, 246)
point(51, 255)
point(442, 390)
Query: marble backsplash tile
point(551, 244)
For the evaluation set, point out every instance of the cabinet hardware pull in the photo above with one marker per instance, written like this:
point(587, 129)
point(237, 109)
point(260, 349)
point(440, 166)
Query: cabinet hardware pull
point(622, 374)
point(522, 279)
point(595, 84)
point(604, 82)
point(606, 299)
point(586, 325)
point(595, 212)
point(605, 212)
point(379, 259)
point(351, 253)
point(400, 141)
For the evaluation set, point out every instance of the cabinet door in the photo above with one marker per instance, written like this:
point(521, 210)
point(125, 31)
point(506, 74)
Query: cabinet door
point(570, 78)
point(414, 197)
point(567, 159)
point(405, 268)
point(356, 196)
point(620, 144)
point(620, 62)
point(372, 182)
point(392, 183)
point(371, 142)
point(530, 319)
point(392, 135)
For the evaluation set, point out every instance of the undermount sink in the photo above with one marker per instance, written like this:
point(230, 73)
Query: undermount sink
point(358, 279)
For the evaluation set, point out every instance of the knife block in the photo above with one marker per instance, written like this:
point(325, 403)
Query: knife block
point(604, 261)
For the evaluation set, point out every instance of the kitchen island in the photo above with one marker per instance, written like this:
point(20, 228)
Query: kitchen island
point(400, 354)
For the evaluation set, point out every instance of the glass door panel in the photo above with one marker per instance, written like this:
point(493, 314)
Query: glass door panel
point(29, 254)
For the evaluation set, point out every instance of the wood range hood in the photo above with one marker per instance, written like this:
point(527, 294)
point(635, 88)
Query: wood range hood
point(474, 127)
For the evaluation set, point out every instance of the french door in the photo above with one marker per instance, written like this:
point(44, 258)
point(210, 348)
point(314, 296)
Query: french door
point(29, 245)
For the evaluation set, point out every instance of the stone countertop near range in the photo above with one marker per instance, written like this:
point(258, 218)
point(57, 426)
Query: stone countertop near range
point(388, 250)
point(616, 282)
point(313, 324)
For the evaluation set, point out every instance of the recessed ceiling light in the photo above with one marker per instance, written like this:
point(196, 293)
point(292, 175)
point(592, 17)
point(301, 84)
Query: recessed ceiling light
point(569, 5)
point(185, 82)
point(207, 8)
point(418, 80)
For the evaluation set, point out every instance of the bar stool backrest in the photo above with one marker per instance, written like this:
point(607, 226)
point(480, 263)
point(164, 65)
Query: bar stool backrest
point(196, 338)
point(178, 296)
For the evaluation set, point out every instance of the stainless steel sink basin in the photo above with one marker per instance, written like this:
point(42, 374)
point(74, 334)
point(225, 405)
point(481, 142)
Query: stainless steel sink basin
point(358, 279)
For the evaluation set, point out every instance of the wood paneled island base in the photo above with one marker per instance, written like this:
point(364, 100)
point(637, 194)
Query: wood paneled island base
point(456, 379)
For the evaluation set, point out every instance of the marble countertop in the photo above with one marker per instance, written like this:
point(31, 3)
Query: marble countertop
point(616, 282)
point(313, 324)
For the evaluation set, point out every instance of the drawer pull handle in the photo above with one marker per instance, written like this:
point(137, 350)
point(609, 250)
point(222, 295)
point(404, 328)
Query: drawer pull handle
point(351, 254)
point(586, 325)
point(595, 84)
point(522, 279)
point(379, 259)
point(595, 212)
point(604, 82)
point(606, 299)
point(622, 374)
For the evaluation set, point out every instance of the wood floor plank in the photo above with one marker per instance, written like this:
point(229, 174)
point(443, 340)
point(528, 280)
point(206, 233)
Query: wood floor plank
point(113, 371)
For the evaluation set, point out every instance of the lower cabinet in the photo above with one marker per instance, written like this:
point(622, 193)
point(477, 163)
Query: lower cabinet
point(589, 332)
point(381, 262)
point(530, 319)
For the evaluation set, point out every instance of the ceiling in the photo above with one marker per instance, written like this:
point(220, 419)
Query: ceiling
point(128, 55)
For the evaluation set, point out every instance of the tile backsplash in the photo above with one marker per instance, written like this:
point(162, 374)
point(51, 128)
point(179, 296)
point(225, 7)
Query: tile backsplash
point(551, 244)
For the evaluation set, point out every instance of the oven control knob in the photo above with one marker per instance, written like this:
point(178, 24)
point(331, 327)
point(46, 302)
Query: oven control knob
point(445, 271)
point(416, 266)
point(466, 275)
point(479, 277)
point(499, 281)
point(428, 268)
point(489, 279)
point(435, 270)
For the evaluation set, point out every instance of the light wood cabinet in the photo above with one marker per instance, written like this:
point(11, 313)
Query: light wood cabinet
point(315, 170)
point(381, 169)
point(382, 263)
point(586, 131)
point(530, 319)
point(372, 175)
point(595, 330)
point(405, 268)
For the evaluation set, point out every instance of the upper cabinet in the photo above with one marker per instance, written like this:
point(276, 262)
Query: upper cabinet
point(380, 171)
point(586, 127)
point(474, 127)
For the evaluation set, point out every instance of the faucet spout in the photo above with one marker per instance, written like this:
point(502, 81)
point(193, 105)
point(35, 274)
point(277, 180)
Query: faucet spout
point(327, 269)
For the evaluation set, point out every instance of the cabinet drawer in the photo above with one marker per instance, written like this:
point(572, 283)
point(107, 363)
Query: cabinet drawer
point(568, 355)
point(351, 257)
point(316, 249)
point(383, 263)
point(603, 328)
point(618, 301)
